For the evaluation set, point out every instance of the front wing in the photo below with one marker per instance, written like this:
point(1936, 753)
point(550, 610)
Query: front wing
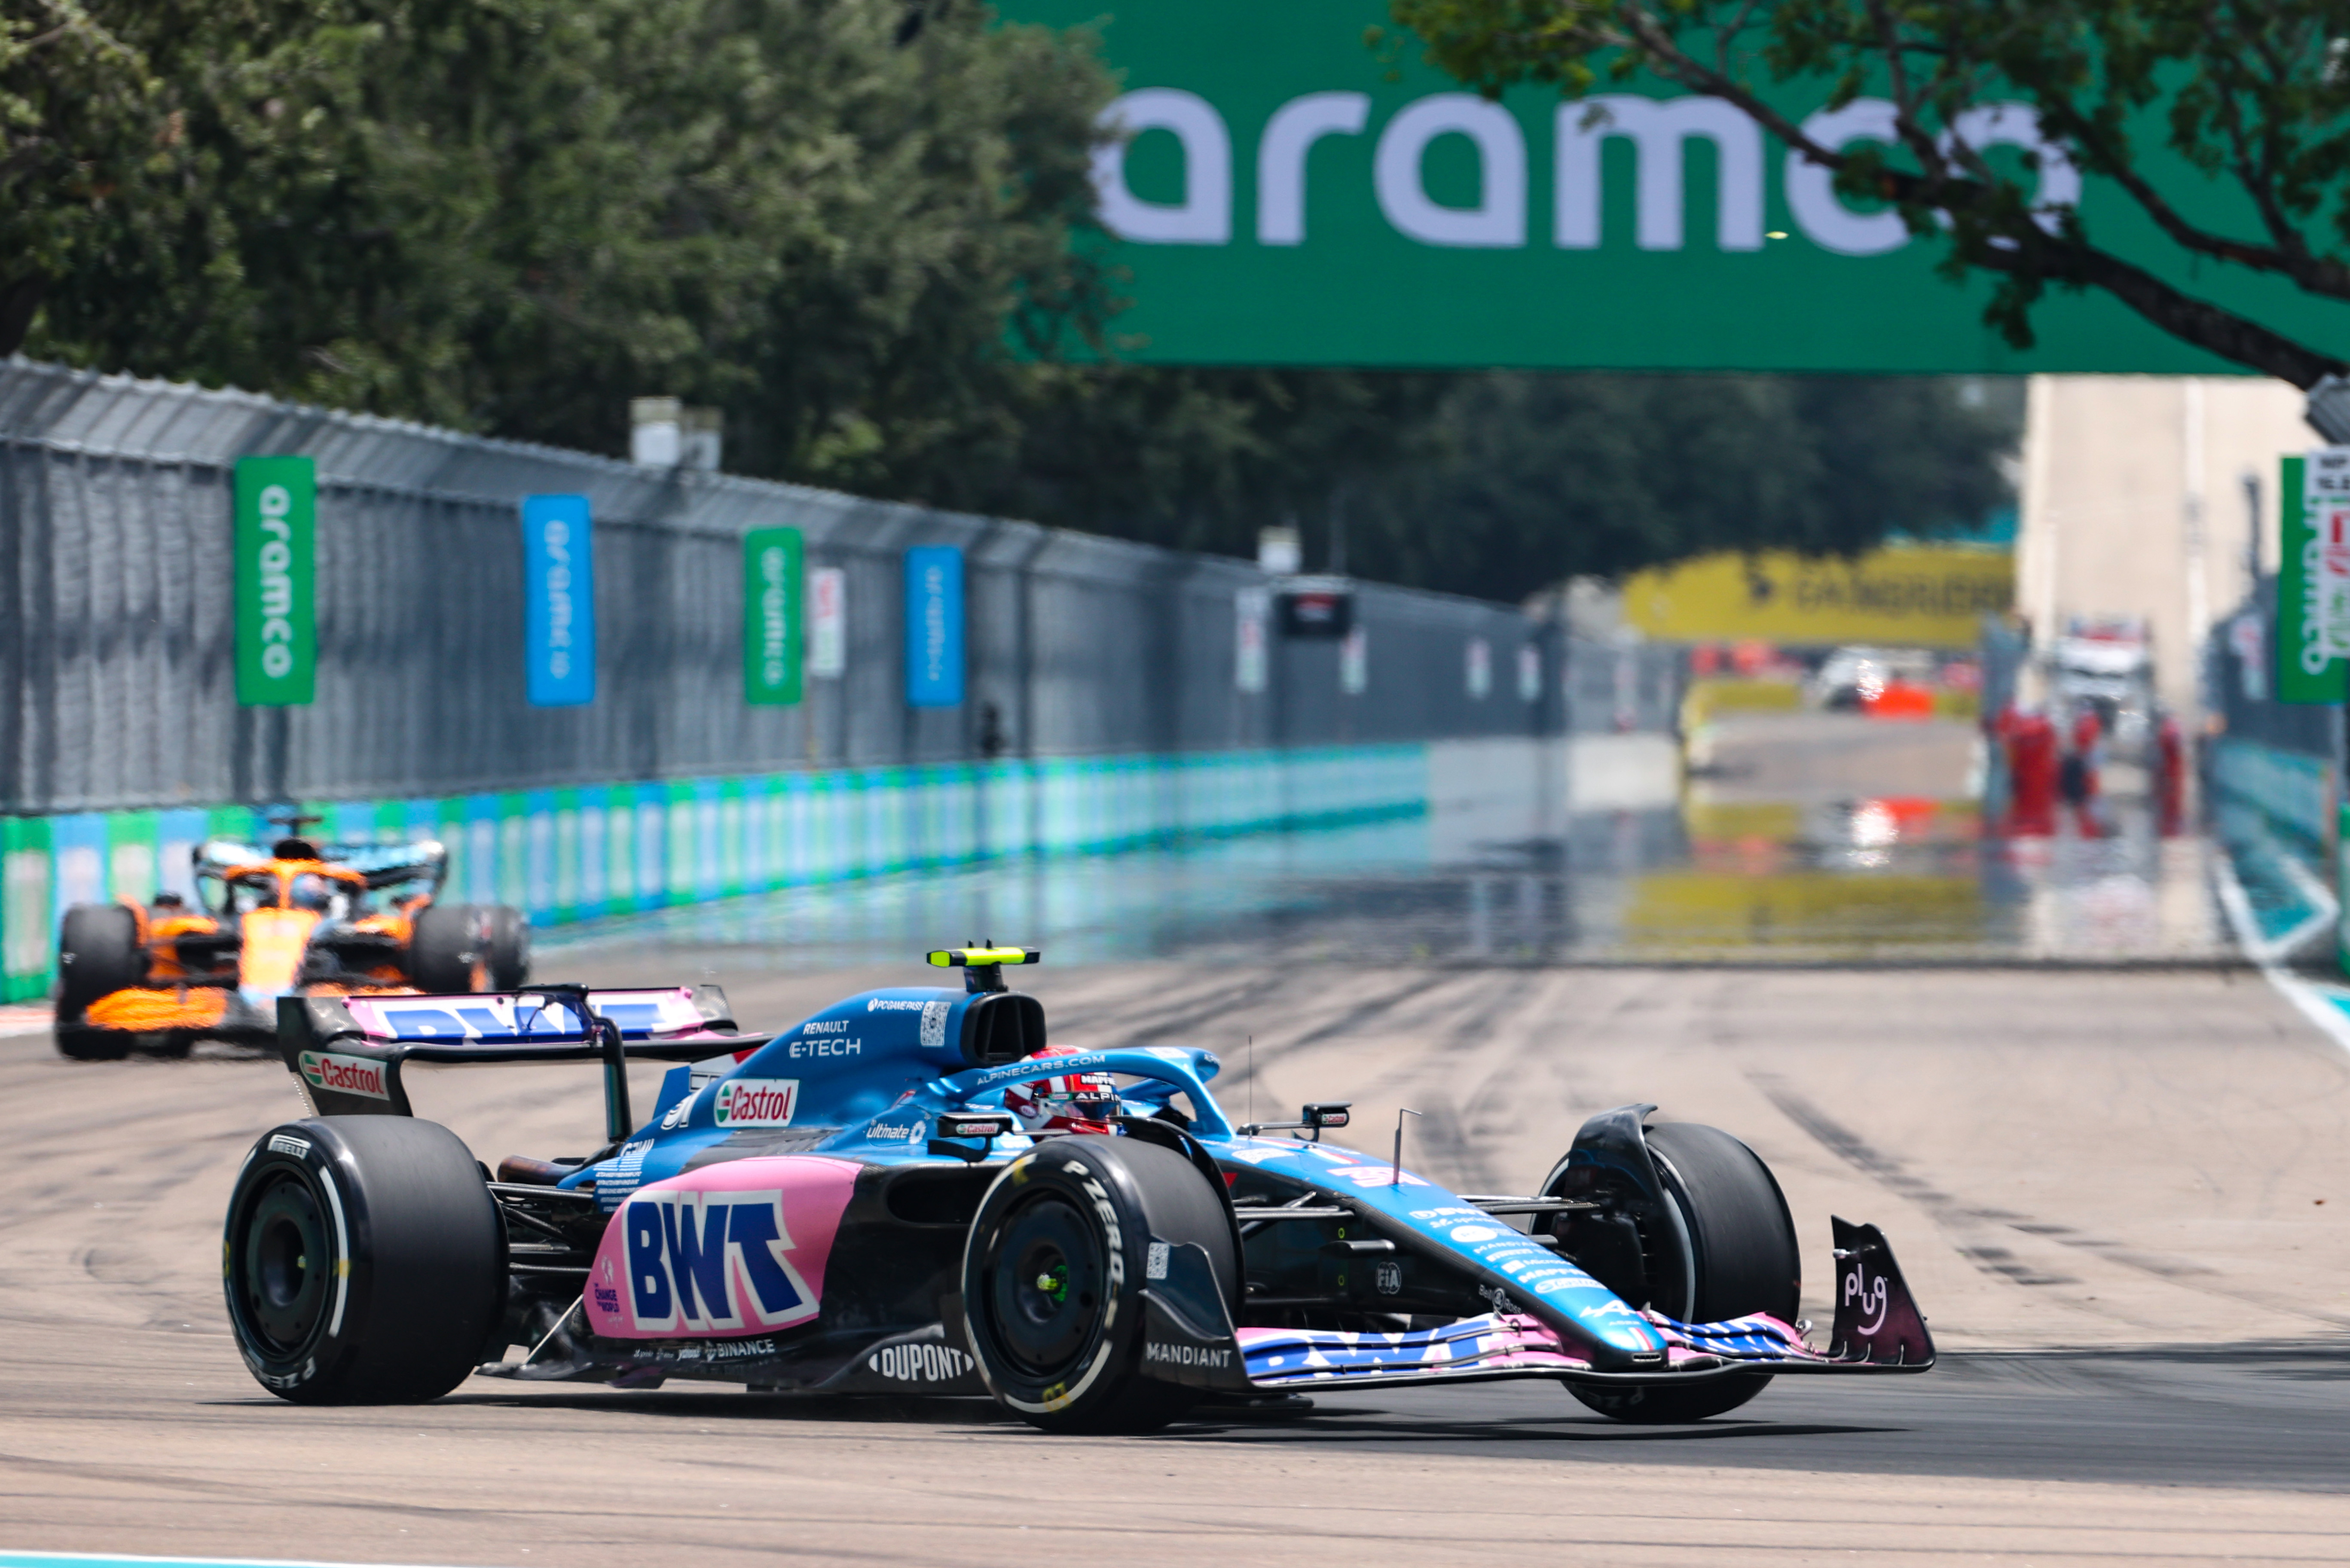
point(1878, 1329)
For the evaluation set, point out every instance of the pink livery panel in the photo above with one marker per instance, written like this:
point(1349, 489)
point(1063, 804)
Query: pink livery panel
point(734, 1249)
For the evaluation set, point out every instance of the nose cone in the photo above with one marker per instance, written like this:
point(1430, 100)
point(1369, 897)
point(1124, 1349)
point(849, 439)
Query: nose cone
point(275, 943)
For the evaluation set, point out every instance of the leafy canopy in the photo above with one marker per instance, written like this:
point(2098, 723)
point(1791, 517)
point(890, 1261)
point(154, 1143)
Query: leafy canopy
point(864, 230)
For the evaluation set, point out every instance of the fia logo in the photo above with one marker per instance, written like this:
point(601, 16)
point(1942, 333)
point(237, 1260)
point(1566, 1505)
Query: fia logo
point(1872, 1295)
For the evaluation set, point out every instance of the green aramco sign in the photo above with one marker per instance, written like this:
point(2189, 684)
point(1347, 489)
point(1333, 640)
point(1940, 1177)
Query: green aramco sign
point(1283, 196)
point(276, 560)
point(772, 561)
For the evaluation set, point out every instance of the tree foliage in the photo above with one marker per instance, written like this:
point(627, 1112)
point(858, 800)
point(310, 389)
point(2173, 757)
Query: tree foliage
point(863, 229)
point(1499, 484)
point(2254, 94)
point(834, 218)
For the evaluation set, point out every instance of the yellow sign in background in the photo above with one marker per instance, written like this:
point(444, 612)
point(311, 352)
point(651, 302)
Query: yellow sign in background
point(1906, 596)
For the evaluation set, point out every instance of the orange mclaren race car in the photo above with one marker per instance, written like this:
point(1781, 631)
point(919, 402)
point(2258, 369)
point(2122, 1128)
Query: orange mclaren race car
point(296, 920)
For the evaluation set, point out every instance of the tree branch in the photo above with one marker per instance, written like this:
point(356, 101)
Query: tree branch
point(2023, 249)
point(2181, 315)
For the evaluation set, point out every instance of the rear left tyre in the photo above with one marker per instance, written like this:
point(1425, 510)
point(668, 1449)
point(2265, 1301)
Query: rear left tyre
point(508, 947)
point(365, 1262)
point(1052, 1273)
point(455, 947)
point(448, 950)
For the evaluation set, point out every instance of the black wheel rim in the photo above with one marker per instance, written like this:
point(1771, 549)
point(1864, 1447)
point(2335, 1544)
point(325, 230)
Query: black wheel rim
point(288, 1263)
point(1047, 1286)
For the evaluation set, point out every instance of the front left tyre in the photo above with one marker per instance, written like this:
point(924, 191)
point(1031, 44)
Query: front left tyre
point(1741, 1258)
point(99, 954)
point(364, 1260)
point(1053, 1275)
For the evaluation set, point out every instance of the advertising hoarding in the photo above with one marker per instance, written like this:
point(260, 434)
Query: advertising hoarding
point(2313, 640)
point(277, 508)
point(772, 559)
point(828, 606)
point(1291, 196)
point(558, 601)
point(1905, 596)
point(934, 626)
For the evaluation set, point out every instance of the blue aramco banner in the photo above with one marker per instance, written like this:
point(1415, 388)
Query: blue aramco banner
point(559, 601)
point(934, 626)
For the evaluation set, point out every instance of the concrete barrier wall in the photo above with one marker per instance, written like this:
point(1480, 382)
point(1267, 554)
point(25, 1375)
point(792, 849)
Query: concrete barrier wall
point(2293, 791)
point(569, 854)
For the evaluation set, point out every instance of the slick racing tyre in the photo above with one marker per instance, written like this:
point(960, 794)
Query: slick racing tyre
point(365, 1262)
point(98, 954)
point(1053, 1272)
point(87, 1044)
point(1742, 1242)
point(509, 946)
point(447, 949)
point(468, 946)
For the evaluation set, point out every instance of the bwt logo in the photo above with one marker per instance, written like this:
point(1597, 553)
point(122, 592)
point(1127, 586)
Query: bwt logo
point(712, 1261)
point(1659, 130)
point(274, 561)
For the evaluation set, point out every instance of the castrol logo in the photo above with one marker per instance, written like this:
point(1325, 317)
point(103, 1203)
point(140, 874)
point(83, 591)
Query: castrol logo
point(344, 1075)
point(756, 1102)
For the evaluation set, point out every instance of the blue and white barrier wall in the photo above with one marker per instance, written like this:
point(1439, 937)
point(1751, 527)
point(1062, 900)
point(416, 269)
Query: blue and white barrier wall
point(568, 854)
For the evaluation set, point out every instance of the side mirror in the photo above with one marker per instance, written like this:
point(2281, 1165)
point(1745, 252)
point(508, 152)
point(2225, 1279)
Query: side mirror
point(1327, 1114)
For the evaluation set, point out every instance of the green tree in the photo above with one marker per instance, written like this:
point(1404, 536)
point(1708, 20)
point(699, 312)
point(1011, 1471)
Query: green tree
point(835, 219)
point(112, 150)
point(1520, 481)
point(1501, 484)
point(2255, 94)
point(862, 229)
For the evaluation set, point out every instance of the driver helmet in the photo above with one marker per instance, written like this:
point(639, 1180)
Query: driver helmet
point(311, 891)
point(1070, 1103)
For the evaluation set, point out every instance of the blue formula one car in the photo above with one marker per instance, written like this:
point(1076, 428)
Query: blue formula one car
point(911, 1192)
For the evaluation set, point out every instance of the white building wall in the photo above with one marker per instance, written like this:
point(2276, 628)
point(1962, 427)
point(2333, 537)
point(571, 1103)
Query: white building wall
point(2133, 504)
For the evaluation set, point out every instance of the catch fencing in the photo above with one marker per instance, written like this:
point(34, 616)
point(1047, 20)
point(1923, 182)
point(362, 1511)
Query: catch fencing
point(116, 640)
point(1113, 693)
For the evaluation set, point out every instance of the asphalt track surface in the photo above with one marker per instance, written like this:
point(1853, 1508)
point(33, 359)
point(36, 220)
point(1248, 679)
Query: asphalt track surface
point(2106, 1190)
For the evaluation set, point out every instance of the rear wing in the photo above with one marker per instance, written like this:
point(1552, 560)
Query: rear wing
point(382, 865)
point(346, 1052)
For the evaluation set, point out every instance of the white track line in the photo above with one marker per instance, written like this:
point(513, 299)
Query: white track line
point(11, 1559)
point(2314, 1001)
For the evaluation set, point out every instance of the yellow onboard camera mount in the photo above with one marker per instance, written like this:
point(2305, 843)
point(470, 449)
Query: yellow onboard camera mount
point(982, 964)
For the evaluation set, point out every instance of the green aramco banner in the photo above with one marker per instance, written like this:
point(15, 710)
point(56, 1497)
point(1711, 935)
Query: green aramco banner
point(276, 559)
point(1283, 196)
point(2313, 635)
point(771, 616)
